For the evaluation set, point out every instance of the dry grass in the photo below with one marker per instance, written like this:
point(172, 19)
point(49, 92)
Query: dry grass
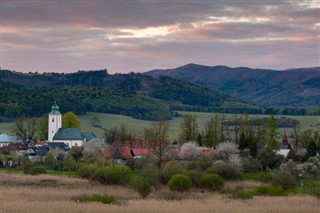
point(17, 196)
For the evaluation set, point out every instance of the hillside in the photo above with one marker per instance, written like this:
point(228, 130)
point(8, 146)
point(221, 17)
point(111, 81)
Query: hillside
point(136, 95)
point(287, 88)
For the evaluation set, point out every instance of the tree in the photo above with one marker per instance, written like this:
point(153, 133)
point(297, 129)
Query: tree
point(43, 127)
point(212, 134)
point(305, 138)
point(70, 120)
point(157, 135)
point(189, 151)
point(271, 136)
point(189, 128)
point(296, 134)
point(312, 149)
point(25, 129)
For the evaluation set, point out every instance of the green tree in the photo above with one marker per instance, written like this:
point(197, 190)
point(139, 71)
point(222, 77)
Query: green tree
point(312, 149)
point(212, 134)
point(271, 141)
point(43, 127)
point(189, 128)
point(70, 120)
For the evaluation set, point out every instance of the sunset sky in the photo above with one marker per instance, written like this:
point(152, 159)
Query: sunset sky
point(140, 35)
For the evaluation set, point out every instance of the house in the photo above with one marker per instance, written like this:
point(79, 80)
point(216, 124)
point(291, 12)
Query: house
point(18, 147)
point(94, 146)
point(129, 150)
point(5, 140)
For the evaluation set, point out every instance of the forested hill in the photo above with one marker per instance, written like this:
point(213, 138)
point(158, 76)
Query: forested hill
point(285, 88)
point(136, 95)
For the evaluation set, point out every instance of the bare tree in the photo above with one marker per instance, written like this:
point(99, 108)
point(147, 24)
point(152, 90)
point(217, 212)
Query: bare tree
point(296, 134)
point(157, 135)
point(25, 129)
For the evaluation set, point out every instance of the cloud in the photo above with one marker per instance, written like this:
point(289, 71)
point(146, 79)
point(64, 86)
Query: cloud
point(122, 36)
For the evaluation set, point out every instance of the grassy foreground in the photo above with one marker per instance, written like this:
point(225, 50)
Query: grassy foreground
point(46, 193)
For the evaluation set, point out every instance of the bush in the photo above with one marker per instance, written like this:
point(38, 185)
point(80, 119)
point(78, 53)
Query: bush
point(285, 180)
point(202, 162)
point(194, 175)
point(87, 170)
point(211, 181)
point(151, 174)
point(251, 165)
point(36, 170)
point(270, 191)
point(180, 183)
point(171, 168)
point(225, 170)
point(242, 194)
point(112, 174)
point(269, 159)
point(143, 188)
point(105, 199)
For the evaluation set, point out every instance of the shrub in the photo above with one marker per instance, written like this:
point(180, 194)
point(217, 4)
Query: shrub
point(251, 165)
point(87, 170)
point(36, 170)
point(211, 181)
point(151, 174)
point(143, 188)
point(225, 170)
point(285, 180)
point(202, 162)
point(269, 159)
point(194, 175)
point(242, 194)
point(171, 168)
point(105, 199)
point(270, 191)
point(180, 183)
point(112, 174)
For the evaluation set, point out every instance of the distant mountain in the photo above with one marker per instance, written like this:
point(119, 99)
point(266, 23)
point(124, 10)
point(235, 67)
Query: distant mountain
point(287, 88)
point(134, 94)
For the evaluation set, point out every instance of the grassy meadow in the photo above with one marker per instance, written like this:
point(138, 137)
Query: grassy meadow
point(47, 193)
point(112, 120)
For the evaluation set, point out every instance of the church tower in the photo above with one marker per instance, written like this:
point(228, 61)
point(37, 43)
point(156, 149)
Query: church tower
point(54, 121)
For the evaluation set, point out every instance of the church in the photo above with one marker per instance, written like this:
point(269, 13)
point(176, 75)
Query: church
point(70, 136)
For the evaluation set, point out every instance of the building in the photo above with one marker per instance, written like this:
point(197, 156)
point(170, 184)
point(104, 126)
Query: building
point(70, 136)
point(54, 121)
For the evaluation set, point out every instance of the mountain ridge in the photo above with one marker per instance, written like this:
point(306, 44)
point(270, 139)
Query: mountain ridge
point(256, 85)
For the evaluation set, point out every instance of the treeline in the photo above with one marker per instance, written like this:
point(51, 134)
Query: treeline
point(16, 101)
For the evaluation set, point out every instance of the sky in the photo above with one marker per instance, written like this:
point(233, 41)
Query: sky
point(140, 35)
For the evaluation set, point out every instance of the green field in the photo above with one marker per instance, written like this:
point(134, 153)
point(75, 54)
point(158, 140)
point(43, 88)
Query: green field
point(111, 120)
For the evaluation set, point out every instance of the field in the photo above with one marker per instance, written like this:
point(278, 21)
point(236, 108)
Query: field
point(111, 120)
point(47, 193)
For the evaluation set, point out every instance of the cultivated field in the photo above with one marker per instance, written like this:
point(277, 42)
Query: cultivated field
point(44, 193)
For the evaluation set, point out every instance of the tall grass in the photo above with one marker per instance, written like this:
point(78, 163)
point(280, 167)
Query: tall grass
point(27, 198)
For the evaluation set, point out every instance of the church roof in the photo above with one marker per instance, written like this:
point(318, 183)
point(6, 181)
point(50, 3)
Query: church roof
point(55, 110)
point(72, 134)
